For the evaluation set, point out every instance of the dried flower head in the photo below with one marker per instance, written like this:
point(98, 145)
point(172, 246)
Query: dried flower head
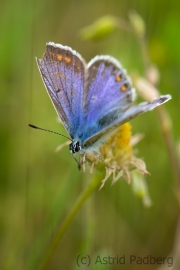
point(118, 156)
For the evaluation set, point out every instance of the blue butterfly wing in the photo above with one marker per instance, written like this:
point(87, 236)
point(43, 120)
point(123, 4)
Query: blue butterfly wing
point(112, 121)
point(63, 72)
point(107, 87)
point(108, 100)
point(107, 90)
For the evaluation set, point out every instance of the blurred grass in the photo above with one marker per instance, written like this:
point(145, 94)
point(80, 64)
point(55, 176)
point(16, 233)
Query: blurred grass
point(38, 187)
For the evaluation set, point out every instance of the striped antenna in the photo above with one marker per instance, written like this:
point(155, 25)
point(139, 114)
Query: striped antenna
point(32, 126)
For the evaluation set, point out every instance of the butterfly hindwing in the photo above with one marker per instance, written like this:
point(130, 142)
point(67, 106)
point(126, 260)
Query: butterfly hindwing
point(63, 72)
point(107, 90)
point(107, 129)
point(107, 86)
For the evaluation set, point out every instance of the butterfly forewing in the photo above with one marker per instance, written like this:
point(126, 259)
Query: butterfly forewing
point(63, 70)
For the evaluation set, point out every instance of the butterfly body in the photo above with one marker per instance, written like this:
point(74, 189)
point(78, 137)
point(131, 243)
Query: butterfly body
point(92, 100)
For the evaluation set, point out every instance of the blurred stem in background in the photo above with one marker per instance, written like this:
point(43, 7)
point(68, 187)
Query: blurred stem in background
point(93, 183)
point(147, 90)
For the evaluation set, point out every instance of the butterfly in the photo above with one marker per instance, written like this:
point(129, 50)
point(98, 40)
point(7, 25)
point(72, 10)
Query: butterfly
point(92, 100)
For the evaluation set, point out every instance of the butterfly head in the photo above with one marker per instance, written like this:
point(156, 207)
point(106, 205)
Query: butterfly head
point(75, 147)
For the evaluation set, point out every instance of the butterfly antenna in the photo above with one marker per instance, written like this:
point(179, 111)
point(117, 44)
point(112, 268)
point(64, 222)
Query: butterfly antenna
point(32, 126)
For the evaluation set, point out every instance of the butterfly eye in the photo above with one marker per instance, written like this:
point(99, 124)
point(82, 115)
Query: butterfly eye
point(77, 147)
point(74, 147)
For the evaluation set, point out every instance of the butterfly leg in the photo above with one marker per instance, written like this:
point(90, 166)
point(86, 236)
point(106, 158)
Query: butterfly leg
point(97, 155)
point(78, 162)
point(82, 161)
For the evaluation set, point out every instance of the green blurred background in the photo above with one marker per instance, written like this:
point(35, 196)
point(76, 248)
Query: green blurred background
point(38, 187)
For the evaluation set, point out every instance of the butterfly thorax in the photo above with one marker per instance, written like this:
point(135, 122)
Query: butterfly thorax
point(75, 147)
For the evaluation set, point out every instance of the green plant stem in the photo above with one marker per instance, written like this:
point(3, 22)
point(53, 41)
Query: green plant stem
point(61, 231)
